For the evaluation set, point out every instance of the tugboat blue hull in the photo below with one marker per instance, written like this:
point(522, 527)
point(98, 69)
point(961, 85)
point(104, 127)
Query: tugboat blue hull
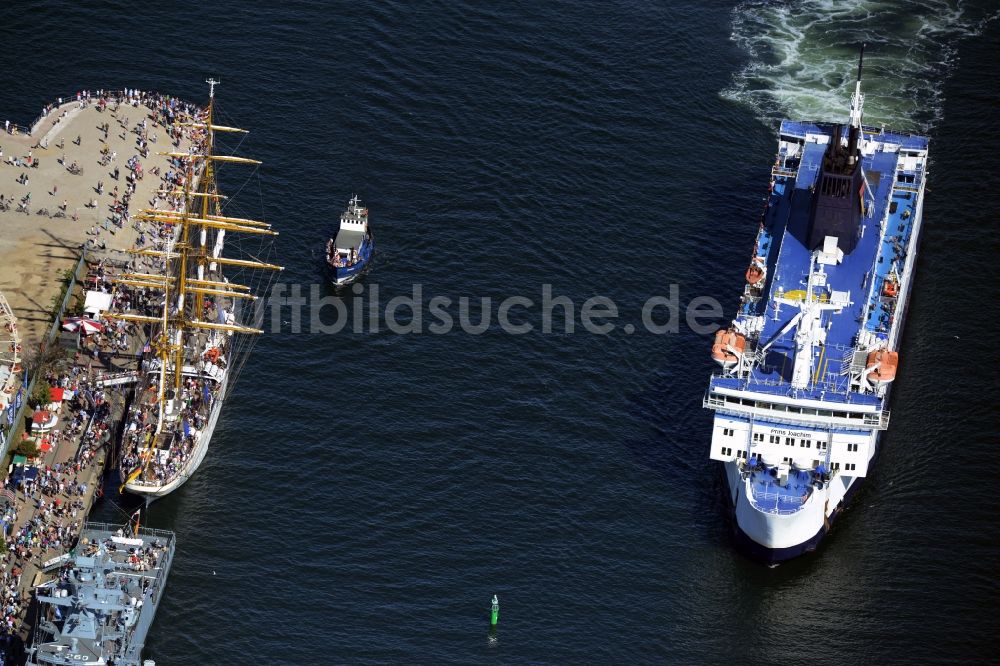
point(345, 275)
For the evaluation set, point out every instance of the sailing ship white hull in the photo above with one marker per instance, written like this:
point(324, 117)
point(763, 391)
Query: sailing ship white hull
point(198, 452)
point(190, 349)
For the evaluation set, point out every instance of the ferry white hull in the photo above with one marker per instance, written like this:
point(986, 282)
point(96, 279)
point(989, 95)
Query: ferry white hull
point(155, 492)
point(774, 537)
point(770, 535)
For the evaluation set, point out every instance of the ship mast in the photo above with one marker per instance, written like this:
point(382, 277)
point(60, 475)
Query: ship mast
point(184, 254)
point(857, 104)
point(163, 350)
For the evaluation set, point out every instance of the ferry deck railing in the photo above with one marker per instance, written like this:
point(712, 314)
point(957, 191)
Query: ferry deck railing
point(779, 413)
point(839, 386)
point(778, 499)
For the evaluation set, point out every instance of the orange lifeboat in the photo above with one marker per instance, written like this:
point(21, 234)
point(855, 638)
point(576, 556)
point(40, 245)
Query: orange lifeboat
point(755, 274)
point(212, 355)
point(729, 346)
point(890, 288)
point(887, 362)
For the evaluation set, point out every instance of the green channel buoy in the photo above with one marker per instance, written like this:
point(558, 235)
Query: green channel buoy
point(494, 612)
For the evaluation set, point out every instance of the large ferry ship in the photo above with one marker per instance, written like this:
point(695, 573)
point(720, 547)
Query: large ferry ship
point(808, 362)
point(206, 266)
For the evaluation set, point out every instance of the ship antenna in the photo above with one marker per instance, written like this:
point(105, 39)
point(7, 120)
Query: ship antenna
point(212, 83)
point(857, 103)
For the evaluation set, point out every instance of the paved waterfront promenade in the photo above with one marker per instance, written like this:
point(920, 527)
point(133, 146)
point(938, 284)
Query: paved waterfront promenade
point(35, 249)
point(90, 181)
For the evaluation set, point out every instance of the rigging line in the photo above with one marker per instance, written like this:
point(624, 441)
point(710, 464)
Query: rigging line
point(226, 203)
point(120, 510)
point(234, 151)
point(260, 195)
point(243, 138)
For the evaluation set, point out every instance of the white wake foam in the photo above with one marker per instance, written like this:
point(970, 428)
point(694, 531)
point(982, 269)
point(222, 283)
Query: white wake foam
point(803, 57)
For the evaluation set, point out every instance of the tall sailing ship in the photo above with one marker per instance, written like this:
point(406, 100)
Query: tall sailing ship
point(204, 329)
point(807, 364)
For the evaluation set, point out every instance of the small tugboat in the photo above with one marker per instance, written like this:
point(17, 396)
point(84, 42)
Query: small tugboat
point(350, 252)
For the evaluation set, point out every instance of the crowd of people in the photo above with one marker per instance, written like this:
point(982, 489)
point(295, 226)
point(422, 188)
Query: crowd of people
point(339, 260)
point(46, 507)
point(159, 113)
point(162, 460)
point(143, 558)
point(44, 511)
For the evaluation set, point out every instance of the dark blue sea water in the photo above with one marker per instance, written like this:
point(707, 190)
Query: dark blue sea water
point(367, 493)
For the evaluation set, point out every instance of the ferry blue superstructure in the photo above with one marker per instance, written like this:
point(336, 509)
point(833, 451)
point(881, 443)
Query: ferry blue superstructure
point(808, 362)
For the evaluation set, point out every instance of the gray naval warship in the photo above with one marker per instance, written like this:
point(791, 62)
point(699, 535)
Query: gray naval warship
point(99, 608)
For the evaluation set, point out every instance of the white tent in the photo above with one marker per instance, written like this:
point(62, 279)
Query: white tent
point(96, 303)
